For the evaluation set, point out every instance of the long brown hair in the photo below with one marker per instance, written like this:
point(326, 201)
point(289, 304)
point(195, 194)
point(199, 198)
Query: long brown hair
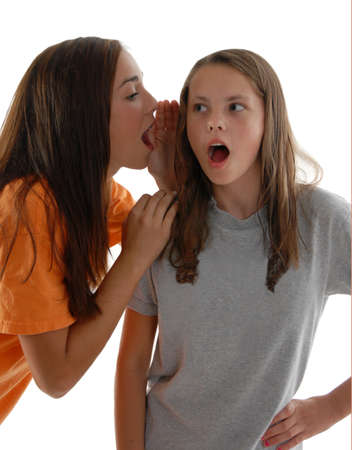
point(56, 133)
point(279, 180)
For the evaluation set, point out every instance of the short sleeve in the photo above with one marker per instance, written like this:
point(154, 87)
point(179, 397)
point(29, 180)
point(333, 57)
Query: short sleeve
point(40, 303)
point(144, 299)
point(339, 278)
point(120, 205)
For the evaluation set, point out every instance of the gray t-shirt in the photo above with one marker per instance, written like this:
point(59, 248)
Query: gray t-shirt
point(231, 354)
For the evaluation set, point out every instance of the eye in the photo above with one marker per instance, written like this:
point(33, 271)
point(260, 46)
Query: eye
point(198, 107)
point(236, 107)
point(132, 96)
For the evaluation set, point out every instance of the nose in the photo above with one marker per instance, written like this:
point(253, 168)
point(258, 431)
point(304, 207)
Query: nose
point(152, 104)
point(216, 124)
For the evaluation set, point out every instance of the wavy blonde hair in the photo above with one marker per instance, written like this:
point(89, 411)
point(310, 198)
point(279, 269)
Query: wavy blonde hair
point(280, 181)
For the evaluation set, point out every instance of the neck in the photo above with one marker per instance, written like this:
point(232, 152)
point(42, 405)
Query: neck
point(240, 198)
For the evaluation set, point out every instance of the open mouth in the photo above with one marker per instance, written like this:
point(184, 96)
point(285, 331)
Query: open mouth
point(218, 153)
point(146, 139)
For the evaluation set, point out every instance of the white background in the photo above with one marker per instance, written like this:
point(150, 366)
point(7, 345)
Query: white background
point(308, 44)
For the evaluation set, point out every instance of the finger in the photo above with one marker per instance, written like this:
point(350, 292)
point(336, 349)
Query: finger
point(292, 443)
point(174, 104)
point(169, 122)
point(279, 428)
point(159, 124)
point(171, 114)
point(157, 117)
point(283, 437)
point(284, 413)
point(153, 204)
point(175, 112)
point(168, 116)
point(159, 106)
point(171, 214)
point(163, 206)
point(161, 109)
point(141, 203)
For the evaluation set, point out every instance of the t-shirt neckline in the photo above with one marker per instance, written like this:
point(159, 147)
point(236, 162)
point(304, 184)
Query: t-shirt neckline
point(227, 220)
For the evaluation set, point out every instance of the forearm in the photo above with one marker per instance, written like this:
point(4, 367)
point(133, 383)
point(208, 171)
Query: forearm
point(130, 401)
point(340, 400)
point(86, 338)
point(59, 358)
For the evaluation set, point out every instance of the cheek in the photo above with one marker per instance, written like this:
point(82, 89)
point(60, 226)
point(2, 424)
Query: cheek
point(258, 127)
point(128, 117)
point(252, 133)
point(114, 131)
point(127, 125)
point(193, 133)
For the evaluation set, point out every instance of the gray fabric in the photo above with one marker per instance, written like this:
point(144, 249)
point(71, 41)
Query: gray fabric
point(230, 354)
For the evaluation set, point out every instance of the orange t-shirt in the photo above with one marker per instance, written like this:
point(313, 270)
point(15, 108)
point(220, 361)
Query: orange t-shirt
point(40, 304)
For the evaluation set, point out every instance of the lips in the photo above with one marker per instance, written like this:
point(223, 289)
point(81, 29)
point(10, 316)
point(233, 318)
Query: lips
point(146, 139)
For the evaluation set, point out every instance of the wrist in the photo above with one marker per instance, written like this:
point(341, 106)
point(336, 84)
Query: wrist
point(133, 265)
point(338, 405)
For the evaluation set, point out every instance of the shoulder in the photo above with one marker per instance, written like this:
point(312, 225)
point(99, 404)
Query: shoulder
point(320, 204)
point(120, 197)
point(121, 202)
point(37, 204)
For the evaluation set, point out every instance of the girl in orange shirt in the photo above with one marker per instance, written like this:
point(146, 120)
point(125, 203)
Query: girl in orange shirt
point(80, 113)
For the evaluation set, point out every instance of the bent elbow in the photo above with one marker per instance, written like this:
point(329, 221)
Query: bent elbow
point(56, 393)
point(54, 387)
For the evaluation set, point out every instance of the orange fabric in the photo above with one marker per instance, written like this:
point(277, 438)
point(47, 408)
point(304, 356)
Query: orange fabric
point(40, 304)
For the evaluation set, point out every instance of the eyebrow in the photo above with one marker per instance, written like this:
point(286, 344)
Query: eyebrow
point(228, 99)
point(134, 78)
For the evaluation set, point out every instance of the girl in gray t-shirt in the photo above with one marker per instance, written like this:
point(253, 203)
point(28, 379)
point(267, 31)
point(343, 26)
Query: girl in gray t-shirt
point(238, 292)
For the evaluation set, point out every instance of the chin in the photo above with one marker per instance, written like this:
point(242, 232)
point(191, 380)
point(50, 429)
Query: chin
point(222, 180)
point(138, 165)
point(218, 179)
